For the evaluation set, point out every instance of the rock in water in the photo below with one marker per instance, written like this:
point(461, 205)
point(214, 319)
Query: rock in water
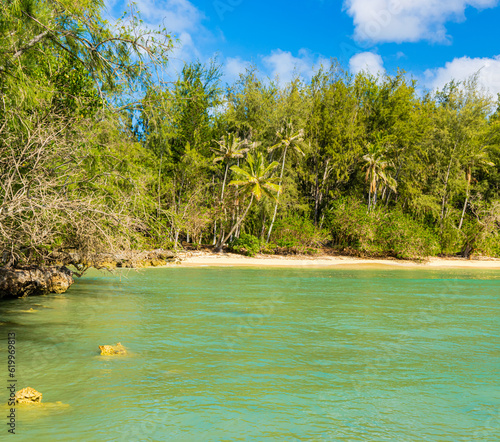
point(28, 395)
point(26, 281)
point(109, 350)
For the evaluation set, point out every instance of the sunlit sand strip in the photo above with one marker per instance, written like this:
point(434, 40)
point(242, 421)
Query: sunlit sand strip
point(203, 259)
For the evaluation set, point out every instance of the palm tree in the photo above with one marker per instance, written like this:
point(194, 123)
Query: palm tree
point(376, 165)
point(256, 181)
point(230, 147)
point(287, 139)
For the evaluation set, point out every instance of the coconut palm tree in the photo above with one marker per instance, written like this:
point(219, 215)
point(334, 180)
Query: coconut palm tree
point(376, 166)
point(255, 181)
point(229, 148)
point(287, 140)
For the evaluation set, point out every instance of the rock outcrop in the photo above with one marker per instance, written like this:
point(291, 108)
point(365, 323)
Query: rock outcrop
point(28, 395)
point(132, 259)
point(28, 281)
point(153, 258)
point(110, 350)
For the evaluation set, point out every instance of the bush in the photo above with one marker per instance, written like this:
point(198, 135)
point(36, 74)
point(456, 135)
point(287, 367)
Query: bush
point(245, 245)
point(451, 239)
point(380, 232)
point(489, 246)
point(299, 234)
point(268, 249)
point(406, 238)
point(479, 238)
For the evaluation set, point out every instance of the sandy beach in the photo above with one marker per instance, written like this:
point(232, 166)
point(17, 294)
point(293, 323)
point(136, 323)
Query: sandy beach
point(204, 259)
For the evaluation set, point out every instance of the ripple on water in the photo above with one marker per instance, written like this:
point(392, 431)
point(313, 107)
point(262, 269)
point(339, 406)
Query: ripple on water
point(275, 354)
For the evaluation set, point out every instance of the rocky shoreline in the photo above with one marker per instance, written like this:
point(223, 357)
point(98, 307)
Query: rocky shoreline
point(25, 281)
point(135, 260)
point(30, 281)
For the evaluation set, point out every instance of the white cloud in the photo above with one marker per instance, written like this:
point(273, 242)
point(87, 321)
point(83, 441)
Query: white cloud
point(179, 17)
point(460, 69)
point(368, 62)
point(233, 67)
point(407, 20)
point(285, 65)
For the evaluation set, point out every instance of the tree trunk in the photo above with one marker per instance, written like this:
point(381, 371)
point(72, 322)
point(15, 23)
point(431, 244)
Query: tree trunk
point(221, 202)
point(176, 239)
point(467, 194)
point(463, 213)
point(224, 183)
point(389, 194)
point(446, 183)
point(383, 193)
point(263, 230)
point(316, 194)
point(277, 197)
point(159, 187)
point(319, 196)
point(237, 224)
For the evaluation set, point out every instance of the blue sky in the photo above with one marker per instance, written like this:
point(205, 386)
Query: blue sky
point(432, 40)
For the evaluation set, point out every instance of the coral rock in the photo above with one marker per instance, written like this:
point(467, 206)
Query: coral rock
point(28, 395)
point(26, 281)
point(109, 350)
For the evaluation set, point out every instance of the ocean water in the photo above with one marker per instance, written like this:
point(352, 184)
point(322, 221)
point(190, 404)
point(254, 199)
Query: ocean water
point(248, 354)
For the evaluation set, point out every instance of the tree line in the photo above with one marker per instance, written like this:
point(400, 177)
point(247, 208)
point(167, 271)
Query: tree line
point(97, 153)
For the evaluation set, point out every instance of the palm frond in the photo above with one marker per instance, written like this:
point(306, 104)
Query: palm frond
point(240, 171)
point(271, 186)
point(271, 167)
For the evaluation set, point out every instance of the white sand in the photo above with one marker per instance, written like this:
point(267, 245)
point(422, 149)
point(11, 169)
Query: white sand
point(204, 259)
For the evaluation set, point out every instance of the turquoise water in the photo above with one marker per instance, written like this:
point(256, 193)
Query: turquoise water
point(232, 354)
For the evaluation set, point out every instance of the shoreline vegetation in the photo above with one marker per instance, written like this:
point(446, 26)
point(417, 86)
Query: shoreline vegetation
point(104, 149)
point(32, 281)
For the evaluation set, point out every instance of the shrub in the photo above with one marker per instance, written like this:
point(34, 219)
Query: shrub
point(489, 246)
point(479, 238)
point(245, 245)
point(298, 233)
point(451, 238)
point(380, 232)
point(268, 249)
point(405, 237)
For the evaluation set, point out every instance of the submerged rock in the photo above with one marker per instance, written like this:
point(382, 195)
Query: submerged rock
point(31, 310)
point(110, 350)
point(26, 281)
point(28, 395)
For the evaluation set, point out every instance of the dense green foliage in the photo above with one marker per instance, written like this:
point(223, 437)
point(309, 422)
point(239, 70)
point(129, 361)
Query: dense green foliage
point(361, 164)
point(380, 232)
point(245, 245)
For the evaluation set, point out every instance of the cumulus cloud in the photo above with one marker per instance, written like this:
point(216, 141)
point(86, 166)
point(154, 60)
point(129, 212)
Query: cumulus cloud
point(285, 66)
point(488, 70)
point(233, 67)
point(368, 62)
point(407, 20)
point(179, 17)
